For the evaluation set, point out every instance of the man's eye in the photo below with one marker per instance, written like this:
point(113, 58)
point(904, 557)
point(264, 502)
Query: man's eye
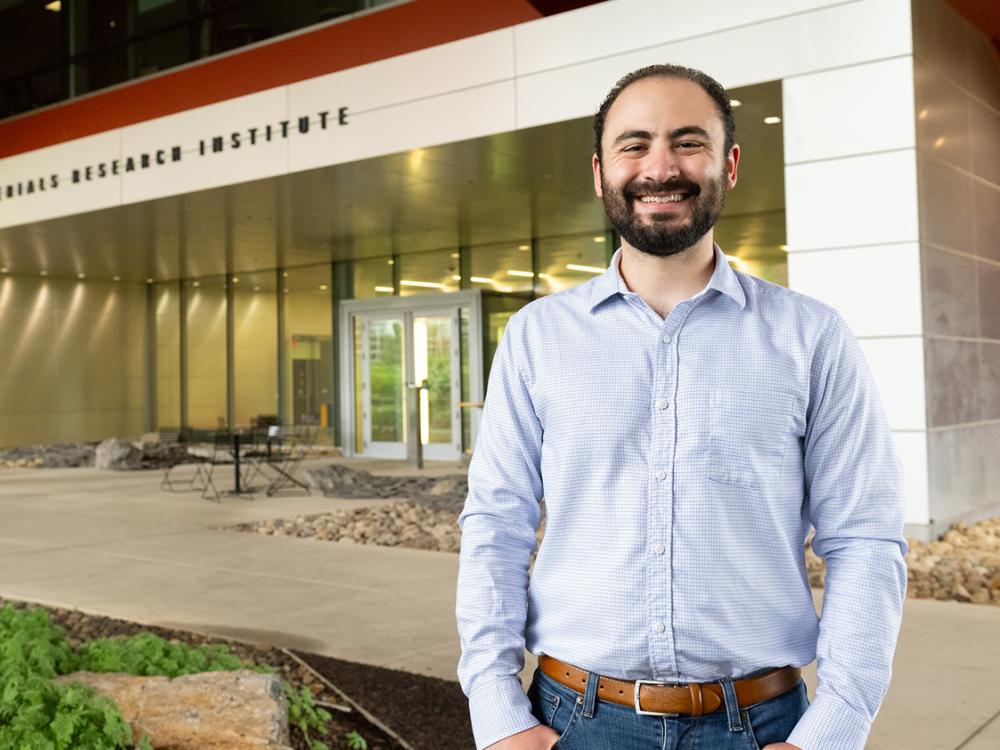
point(689, 144)
point(634, 147)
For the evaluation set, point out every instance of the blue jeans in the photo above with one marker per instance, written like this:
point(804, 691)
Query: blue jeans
point(585, 723)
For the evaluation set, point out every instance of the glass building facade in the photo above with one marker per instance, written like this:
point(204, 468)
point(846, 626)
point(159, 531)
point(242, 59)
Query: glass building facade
point(57, 50)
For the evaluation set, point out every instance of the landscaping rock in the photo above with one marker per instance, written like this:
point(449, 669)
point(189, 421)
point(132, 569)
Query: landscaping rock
point(240, 710)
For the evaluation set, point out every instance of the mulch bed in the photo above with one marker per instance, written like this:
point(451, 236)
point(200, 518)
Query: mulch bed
point(425, 712)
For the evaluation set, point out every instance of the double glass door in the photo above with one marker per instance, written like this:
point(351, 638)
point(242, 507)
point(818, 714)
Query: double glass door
point(396, 350)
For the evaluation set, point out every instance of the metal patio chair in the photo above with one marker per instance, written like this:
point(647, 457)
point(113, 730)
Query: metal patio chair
point(287, 447)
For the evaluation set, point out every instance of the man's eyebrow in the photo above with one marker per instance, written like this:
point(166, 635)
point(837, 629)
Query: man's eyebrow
point(690, 130)
point(630, 134)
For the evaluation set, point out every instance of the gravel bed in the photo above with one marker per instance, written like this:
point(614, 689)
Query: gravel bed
point(54, 456)
point(964, 565)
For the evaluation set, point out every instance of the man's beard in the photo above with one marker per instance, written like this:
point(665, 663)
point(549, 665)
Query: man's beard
point(661, 236)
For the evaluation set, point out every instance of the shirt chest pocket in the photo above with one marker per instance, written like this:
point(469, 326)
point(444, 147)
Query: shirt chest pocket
point(748, 435)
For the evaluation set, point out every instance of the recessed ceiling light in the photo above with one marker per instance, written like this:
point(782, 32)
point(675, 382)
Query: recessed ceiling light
point(391, 261)
point(772, 120)
point(4, 269)
point(323, 287)
point(285, 274)
point(286, 291)
point(150, 280)
point(116, 278)
point(454, 255)
point(195, 283)
point(599, 238)
point(81, 276)
point(45, 273)
point(55, 6)
point(236, 279)
point(256, 288)
point(524, 247)
point(735, 103)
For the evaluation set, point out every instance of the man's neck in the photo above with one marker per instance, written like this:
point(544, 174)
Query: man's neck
point(663, 282)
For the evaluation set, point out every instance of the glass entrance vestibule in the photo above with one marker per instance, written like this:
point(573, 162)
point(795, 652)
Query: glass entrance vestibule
point(411, 356)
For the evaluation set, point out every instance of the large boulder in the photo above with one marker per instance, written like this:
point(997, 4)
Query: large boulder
point(118, 454)
point(239, 710)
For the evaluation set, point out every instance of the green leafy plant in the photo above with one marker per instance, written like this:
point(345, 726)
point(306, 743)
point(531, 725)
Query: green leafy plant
point(40, 714)
point(147, 655)
point(306, 715)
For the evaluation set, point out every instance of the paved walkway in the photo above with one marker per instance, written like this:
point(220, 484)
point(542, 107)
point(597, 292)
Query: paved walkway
point(113, 544)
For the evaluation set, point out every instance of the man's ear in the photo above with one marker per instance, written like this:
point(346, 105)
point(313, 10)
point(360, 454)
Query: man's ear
point(596, 164)
point(732, 164)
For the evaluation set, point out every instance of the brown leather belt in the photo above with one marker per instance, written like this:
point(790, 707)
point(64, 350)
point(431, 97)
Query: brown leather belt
point(691, 699)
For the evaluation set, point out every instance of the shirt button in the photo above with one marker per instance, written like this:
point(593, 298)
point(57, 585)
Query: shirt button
point(659, 627)
point(659, 549)
point(661, 475)
point(662, 403)
point(666, 339)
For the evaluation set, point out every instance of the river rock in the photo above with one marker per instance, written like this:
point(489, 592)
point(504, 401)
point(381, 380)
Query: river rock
point(239, 710)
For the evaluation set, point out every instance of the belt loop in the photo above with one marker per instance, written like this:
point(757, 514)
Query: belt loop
point(732, 706)
point(590, 697)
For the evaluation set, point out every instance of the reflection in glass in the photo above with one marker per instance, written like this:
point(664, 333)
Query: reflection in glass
point(466, 411)
point(432, 362)
point(308, 364)
point(428, 273)
point(371, 278)
point(569, 260)
point(503, 267)
point(385, 369)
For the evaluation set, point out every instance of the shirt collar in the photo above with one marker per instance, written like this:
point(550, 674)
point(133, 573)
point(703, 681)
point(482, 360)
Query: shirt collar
point(724, 280)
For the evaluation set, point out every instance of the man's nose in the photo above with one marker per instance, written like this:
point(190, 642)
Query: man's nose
point(661, 164)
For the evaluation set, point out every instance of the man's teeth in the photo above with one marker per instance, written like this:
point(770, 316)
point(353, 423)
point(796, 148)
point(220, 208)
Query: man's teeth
point(672, 198)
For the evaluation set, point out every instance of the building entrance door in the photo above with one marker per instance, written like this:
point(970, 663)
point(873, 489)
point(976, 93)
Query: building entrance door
point(401, 343)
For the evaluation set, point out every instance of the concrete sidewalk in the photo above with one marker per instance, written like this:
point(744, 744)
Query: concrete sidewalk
point(113, 544)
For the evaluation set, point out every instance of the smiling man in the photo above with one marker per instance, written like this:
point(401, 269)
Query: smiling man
point(686, 424)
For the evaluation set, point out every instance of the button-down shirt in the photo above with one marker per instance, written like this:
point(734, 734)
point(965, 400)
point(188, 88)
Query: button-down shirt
point(682, 462)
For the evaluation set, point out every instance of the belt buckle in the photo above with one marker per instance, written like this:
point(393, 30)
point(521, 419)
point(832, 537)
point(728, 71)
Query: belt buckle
point(635, 694)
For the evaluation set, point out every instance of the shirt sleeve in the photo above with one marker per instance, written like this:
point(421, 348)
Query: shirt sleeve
point(499, 522)
point(853, 483)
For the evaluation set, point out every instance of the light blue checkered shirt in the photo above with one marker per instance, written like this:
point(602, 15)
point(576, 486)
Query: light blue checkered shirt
point(682, 462)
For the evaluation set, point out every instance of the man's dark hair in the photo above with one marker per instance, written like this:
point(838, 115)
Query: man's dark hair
point(712, 87)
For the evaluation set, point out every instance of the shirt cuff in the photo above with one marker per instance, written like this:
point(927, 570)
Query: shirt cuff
point(499, 709)
point(830, 724)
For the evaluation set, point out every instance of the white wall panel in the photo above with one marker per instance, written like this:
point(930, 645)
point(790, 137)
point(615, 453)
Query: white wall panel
point(855, 201)
point(897, 364)
point(467, 63)
point(876, 289)
point(853, 110)
point(68, 198)
point(767, 51)
point(231, 165)
point(613, 28)
point(441, 119)
point(912, 450)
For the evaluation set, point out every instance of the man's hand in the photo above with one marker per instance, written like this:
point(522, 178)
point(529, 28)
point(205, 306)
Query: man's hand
point(536, 738)
point(781, 746)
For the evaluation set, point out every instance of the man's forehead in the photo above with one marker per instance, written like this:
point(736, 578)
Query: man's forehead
point(660, 101)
